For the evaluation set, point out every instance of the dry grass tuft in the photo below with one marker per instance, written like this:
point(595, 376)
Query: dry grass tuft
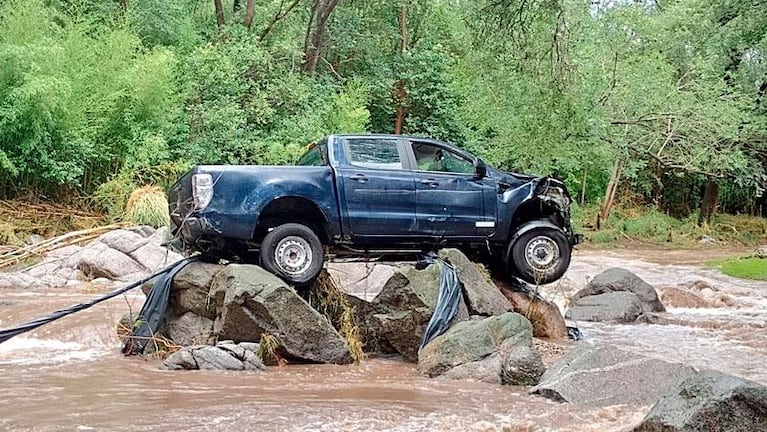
point(148, 206)
point(268, 350)
point(329, 300)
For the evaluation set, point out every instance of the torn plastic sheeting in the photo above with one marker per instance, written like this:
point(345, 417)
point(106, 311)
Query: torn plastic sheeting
point(152, 313)
point(448, 300)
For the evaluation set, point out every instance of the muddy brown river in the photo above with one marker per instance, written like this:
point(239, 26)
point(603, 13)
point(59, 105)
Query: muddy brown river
point(70, 375)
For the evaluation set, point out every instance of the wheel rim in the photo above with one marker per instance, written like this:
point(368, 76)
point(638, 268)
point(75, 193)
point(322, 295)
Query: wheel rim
point(293, 255)
point(541, 253)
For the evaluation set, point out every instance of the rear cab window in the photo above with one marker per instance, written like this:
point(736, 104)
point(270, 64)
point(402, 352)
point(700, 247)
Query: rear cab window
point(374, 153)
point(316, 155)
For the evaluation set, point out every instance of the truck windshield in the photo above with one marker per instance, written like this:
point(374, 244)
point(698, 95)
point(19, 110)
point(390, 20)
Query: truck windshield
point(315, 156)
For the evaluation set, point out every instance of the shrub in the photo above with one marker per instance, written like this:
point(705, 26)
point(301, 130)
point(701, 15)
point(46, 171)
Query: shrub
point(147, 206)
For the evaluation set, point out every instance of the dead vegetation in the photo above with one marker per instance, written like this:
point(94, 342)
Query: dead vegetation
point(29, 253)
point(329, 300)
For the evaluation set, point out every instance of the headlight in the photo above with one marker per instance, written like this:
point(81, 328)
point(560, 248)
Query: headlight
point(202, 190)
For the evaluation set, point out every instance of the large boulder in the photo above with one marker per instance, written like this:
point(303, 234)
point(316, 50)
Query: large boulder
point(496, 349)
point(190, 289)
point(600, 376)
point(224, 356)
point(543, 314)
point(675, 296)
point(712, 402)
point(619, 306)
point(404, 307)
point(99, 260)
point(252, 301)
point(482, 296)
point(618, 279)
point(188, 329)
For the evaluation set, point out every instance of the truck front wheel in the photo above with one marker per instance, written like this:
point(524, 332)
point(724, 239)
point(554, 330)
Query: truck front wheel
point(540, 256)
point(293, 252)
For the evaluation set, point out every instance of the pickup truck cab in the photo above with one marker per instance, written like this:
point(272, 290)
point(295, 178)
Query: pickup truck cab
point(374, 194)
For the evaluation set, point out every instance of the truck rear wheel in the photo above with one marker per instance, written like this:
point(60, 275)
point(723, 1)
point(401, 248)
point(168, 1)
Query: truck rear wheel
point(293, 252)
point(540, 256)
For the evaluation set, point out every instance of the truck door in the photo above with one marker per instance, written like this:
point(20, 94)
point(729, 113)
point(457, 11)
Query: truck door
point(379, 193)
point(450, 198)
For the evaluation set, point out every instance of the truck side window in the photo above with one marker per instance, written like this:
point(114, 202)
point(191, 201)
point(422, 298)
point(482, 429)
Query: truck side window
point(433, 158)
point(313, 157)
point(374, 153)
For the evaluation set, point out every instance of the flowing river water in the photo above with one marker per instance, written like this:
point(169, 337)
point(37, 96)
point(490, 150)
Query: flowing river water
point(70, 375)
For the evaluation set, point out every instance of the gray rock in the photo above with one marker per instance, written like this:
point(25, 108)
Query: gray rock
point(254, 301)
point(521, 365)
point(123, 240)
point(488, 370)
point(154, 257)
point(621, 307)
point(712, 402)
point(618, 279)
point(403, 330)
point(188, 329)
point(142, 230)
point(190, 289)
point(160, 236)
point(43, 269)
point(600, 376)
point(482, 296)
point(404, 307)
point(474, 340)
point(761, 252)
point(370, 330)
point(99, 260)
point(362, 280)
point(210, 358)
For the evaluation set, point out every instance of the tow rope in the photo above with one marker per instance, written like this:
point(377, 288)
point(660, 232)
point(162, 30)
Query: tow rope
point(31, 325)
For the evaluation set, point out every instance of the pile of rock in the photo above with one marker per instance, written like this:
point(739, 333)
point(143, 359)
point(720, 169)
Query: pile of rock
point(486, 341)
point(614, 295)
point(119, 255)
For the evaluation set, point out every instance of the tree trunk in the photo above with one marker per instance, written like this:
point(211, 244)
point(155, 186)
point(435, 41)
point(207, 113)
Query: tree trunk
point(249, 11)
point(219, 13)
point(315, 32)
point(708, 205)
point(612, 187)
point(400, 93)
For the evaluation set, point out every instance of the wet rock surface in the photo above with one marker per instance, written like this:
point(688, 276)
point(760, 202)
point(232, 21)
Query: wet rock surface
point(603, 375)
point(398, 315)
point(617, 280)
point(710, 401)
point(223, 356)
point(544, 315)
point(496, 349)
point(623, 307)
point(251, 301)
point(482, 296)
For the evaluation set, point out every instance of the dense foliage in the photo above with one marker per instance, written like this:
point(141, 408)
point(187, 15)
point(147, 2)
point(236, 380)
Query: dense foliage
point(662, 99)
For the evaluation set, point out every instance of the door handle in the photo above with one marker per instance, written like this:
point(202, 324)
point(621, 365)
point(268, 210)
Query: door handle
point(362, 178)
point(430, 182)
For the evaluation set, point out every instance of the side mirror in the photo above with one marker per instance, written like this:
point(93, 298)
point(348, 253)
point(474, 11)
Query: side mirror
point(480, 169)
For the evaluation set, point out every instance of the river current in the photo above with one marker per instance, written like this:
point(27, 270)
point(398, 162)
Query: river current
point(70, 375)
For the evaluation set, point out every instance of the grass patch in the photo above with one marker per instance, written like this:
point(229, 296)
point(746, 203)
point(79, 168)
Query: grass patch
point(148, 206)
point(649, 225)
point(742, 267)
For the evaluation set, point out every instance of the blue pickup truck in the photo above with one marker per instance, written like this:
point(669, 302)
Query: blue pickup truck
point(374, 194)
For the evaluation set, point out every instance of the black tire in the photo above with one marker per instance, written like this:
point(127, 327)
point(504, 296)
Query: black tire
point(293, 252)
point(530, 254)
